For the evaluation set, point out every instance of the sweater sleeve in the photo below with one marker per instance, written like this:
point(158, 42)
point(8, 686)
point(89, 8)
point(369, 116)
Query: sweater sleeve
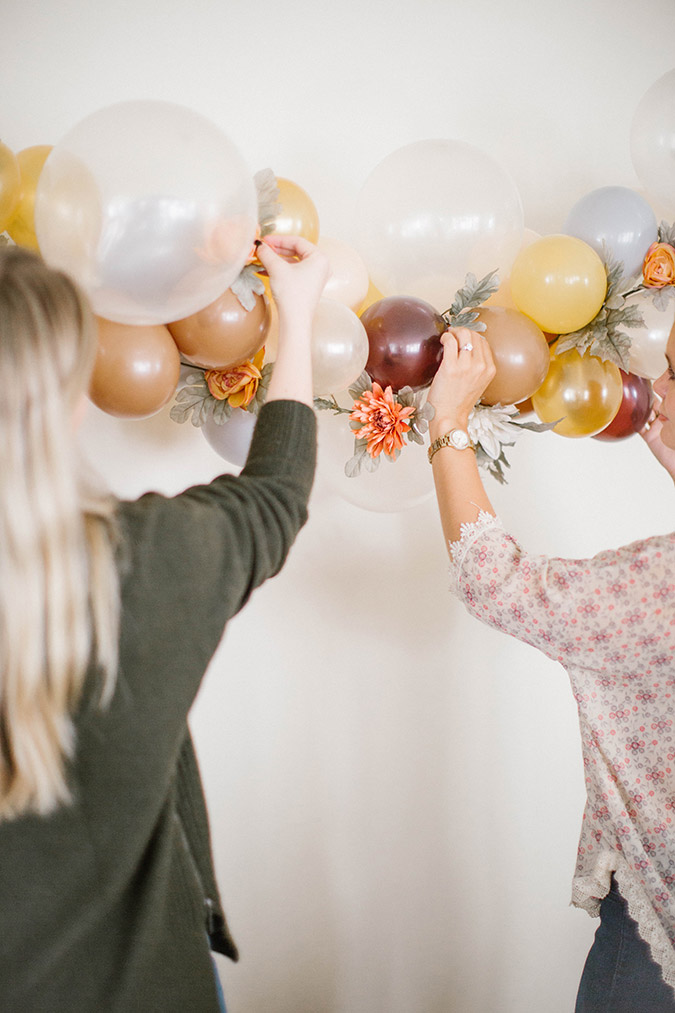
point(610, 612)
point(191, 561)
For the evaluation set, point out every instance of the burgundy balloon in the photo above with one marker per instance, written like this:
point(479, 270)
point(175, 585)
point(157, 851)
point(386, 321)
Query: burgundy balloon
point(404, 336)
point(634, 410)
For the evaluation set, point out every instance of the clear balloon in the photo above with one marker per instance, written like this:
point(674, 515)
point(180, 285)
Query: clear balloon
point(560, 282)
point(394, 486)
point(298, 215)
point(348, 279)
point(231, 440)
point(647, 356)
point(137, 369)
point(503, 297)
point(634, 410)
point(404, 338)
point(520, 352)
point(581, 393)
point(178, 210)
point(10, 185)
point(339, 347)
point(223, 333)
point(619, 217)
point(21, 226)
point(432, 211)
point(652, 142)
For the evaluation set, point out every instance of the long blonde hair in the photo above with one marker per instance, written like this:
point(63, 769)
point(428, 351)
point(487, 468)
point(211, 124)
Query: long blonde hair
point(59, 608)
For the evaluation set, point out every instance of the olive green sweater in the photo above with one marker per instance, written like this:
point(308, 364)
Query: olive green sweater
point(105, 905)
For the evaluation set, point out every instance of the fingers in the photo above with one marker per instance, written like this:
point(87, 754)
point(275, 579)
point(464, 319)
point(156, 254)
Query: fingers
point(288, 246)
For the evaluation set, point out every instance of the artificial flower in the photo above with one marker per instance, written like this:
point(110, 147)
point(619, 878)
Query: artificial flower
point(491, 426)
point(238, 384)
point(383, 420)
point(659, 266)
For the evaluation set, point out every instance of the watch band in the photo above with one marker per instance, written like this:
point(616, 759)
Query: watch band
point(458, 439)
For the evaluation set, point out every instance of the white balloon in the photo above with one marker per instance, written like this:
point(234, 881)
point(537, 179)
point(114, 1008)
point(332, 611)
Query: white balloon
point(348, 280)
point(232, 439)
point(432, 211)
point(648, 344)
point(394, 486)
point(339, 347)
point(150, 207)
point(652, 142)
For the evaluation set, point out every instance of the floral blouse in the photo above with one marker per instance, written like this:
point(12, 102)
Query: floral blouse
point(610, 622)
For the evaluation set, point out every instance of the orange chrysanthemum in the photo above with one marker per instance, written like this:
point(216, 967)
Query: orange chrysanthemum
point(384, 421)
point(238, 384)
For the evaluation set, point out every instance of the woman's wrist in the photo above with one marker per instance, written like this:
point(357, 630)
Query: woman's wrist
point(442, 424)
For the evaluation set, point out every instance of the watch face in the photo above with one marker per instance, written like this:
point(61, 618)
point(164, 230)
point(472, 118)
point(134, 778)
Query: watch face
point(460, 439)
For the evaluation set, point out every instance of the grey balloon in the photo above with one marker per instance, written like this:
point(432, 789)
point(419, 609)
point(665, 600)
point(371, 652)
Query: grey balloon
point(619, 217)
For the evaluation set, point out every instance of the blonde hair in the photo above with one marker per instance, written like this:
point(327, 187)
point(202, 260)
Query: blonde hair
point(59, 609)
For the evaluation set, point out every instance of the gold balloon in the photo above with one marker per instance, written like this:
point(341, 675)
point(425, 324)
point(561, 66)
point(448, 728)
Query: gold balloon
point(520, 353)
point(373, 295)
point(223, 333)
point(298, 215)
point(21, 227)
point(10, 185)
point(560, 282)
point(580, 390)
point(136, 370)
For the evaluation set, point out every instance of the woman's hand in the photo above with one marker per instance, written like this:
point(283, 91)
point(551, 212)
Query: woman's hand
point(298, 272)
point(465, 371)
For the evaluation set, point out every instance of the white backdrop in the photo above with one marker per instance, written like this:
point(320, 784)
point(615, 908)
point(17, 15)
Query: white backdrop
point(395, 791)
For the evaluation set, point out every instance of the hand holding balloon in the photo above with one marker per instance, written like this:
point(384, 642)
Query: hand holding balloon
point(466, 370)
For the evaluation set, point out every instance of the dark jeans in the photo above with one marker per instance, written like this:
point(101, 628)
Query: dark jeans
point(620, 975)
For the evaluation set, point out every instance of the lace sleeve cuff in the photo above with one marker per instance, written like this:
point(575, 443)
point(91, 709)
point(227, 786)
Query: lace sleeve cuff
point(469, 534)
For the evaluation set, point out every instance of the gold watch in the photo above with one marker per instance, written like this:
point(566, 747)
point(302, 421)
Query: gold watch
point(457, 438)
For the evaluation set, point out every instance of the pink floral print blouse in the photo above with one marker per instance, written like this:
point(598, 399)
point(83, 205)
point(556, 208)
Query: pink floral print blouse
point(610, 622)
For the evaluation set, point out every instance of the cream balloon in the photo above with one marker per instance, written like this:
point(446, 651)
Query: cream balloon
point(348, 279)
point(339, 347)
point(231, 439)
point(648, 344)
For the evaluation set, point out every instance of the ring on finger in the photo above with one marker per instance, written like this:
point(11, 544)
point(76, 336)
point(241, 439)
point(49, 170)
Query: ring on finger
point(467, 348)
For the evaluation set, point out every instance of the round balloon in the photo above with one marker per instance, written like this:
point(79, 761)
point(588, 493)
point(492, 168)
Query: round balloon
point(348, 279)
point(231, 440)
point(560, 282)
point(652, 141)
point(520, 352)
point(178, 210)
point(10, 185)
point(647, 356)
point(432, 211)
point(339, 347)
point(223, 333)
point(618, 217)
point(298, 215)
point(404, 339)
point(21, 226)
point(634, 410)
point(393, 487)
point(137, 369)
point(372, 295)
point(581, 394)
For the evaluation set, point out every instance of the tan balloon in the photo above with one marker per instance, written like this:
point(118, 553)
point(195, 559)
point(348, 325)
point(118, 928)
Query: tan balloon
point(223, 333)
point(520, 352)
point(648, 343)
point(136, 370)
point(298, 215)
point(348, 279)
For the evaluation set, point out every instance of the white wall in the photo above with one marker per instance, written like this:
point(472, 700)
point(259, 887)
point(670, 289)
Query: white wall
point(395, 791)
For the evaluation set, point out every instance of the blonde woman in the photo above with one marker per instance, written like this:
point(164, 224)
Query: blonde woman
point(608, 621)
point(109, 614)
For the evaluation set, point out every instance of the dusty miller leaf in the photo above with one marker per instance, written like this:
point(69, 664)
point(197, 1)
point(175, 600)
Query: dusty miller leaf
point(247, 286)
point(363, 383)
point(666, 233)
point(472, 294)
point(662, 297)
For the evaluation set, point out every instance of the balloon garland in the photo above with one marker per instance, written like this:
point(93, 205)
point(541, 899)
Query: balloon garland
point(164, 246)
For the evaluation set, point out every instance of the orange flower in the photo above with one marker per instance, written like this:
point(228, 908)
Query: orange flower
point(659, 266)
point(384, 420)
point(238, 384)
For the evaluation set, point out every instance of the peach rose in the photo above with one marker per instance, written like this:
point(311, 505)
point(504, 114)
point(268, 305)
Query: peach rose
point(659, 266)
point(238, 384)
